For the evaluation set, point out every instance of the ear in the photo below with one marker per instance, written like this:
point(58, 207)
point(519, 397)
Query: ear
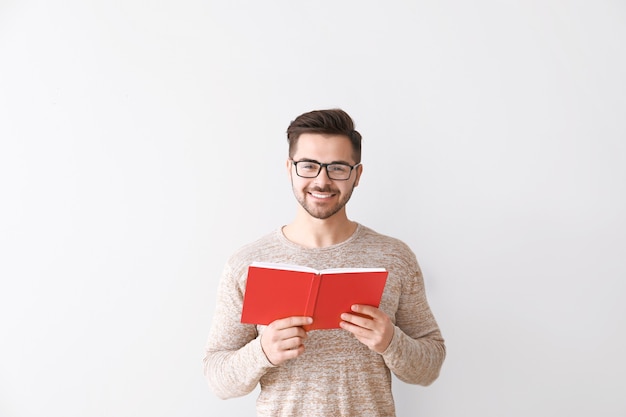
point(358, 171)
point(288, 166)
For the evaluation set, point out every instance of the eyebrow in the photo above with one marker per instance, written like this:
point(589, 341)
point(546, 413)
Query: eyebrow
point(318, 162)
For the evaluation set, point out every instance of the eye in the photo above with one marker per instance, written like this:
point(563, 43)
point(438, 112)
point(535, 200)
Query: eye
point(339, 168)
point(309, 166)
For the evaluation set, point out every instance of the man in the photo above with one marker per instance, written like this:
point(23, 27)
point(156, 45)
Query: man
point(339, 372)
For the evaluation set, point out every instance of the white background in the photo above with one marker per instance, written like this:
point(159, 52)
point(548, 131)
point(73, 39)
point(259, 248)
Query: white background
point(143, 142)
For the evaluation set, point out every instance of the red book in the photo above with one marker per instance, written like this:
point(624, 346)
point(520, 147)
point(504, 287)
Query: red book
point(275, 291)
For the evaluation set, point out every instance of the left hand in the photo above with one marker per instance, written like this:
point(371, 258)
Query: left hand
point(374, 331)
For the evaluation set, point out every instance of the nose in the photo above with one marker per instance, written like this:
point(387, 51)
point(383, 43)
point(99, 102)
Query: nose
point(323, 177)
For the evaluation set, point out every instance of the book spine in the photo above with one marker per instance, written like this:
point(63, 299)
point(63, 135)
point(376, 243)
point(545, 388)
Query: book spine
point(312, 299)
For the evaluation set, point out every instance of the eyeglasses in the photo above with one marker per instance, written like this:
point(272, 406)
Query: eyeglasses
point(335, 171)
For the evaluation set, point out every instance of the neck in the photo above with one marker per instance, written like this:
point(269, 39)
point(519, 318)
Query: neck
point(310, 232)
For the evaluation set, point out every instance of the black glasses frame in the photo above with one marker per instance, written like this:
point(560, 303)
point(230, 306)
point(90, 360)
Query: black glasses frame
point(295, 164)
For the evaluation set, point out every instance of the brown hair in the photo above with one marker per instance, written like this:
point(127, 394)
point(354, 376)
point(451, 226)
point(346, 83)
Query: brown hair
point(333, 121)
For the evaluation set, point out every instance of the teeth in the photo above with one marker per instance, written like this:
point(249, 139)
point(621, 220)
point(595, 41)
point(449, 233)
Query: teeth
point(321, 195)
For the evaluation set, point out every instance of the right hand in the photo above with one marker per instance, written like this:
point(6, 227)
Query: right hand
point(283, 339)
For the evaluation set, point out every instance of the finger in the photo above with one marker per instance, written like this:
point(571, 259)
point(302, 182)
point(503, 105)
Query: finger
point(292, 333)
point(292, 352)
point(295, 321)
point(362, 334)
point(367, 310)
point(293, 343)
point(279, 356)
point(353, 328)
point(363, 322)
point(279, 349)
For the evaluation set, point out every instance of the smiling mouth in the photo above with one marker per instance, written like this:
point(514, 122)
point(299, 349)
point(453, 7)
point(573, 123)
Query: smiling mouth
point(321, 195)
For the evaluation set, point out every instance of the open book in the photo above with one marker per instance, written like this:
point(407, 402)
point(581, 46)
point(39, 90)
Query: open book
point(275, 291)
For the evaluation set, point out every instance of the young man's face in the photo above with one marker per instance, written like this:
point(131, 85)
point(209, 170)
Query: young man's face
point(321, 196)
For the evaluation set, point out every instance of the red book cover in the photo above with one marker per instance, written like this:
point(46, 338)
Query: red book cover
point(275, 291)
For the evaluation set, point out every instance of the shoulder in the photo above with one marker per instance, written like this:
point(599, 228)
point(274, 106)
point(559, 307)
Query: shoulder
point(371, 237)
point(393, 250)
point(254, 251)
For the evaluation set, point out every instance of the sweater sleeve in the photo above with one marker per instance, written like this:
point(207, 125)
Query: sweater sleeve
point(417, 350)
point(233, 361)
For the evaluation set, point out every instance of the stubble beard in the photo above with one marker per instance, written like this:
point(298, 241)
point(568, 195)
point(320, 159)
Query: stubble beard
point(318, 212)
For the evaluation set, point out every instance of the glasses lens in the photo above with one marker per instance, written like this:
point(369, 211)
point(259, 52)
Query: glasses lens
point(339, 171)
point(307, 169)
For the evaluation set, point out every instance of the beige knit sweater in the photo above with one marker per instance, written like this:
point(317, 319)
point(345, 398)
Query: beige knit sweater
point(337, 375)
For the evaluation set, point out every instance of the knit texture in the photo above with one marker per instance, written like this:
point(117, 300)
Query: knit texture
point(337, 375)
